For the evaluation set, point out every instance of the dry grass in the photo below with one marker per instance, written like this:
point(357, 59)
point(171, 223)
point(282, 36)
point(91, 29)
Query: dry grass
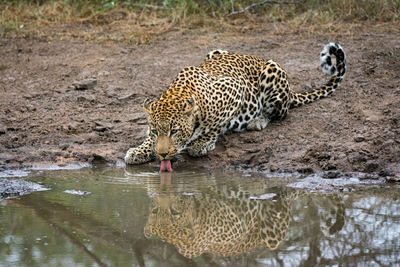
point(99, 20)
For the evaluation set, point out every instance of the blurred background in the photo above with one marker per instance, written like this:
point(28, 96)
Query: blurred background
point(140, 21)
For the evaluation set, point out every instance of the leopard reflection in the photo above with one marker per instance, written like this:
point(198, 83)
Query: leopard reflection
point(224, 223)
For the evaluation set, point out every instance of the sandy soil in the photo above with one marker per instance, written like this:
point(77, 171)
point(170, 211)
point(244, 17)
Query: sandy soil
point(44, 120)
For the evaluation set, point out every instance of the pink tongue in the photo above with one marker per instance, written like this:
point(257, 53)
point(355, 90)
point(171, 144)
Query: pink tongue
point(166, 166)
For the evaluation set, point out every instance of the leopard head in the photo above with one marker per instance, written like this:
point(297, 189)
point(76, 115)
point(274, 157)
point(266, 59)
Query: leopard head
point(171, 219)
point(171, 123)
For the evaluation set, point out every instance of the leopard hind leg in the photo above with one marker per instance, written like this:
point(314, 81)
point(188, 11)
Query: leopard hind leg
point(275, 91)
point(216, 54)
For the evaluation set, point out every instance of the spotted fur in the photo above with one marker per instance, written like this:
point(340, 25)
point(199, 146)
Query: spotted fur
point(228, 91)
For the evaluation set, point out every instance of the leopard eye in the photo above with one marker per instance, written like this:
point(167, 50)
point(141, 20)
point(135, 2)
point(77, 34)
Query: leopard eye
point(155, 210)
point(154, 132)
point(173, 132)
point(174, 211)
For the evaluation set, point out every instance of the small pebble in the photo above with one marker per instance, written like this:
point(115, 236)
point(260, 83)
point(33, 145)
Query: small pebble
point(332, 175)
point(85, 84)
point(273, 168)
point(359, 139)
point(83, 98)
point(393, 179)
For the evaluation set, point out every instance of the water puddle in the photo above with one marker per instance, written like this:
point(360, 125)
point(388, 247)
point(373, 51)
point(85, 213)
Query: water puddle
point(114, 217)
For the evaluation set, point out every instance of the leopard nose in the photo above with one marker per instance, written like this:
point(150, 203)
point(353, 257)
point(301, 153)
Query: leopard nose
point(163, 155)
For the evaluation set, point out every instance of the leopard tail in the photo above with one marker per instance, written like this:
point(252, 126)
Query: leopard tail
point(336, 72)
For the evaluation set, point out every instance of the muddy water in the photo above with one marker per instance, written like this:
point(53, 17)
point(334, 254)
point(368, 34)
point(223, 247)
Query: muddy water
point(116, 217)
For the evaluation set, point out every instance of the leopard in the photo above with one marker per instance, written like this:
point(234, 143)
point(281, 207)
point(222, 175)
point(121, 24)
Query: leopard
point(227, 92)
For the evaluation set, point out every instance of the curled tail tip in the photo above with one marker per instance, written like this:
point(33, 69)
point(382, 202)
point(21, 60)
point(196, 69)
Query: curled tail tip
point(326, 59)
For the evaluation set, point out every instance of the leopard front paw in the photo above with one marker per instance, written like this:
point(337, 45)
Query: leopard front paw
point(196, 152)
point(199, 150)
point(136, 156)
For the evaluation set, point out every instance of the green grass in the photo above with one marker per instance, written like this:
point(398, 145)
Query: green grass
point(358, 9)
point(24, 17)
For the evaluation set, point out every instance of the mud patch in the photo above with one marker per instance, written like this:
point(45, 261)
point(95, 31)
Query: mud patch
point(335, 182)
point(13, 173)
point(16, 187)
point(45, 120)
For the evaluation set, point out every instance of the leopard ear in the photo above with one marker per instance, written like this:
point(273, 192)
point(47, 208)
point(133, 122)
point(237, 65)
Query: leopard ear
point(148, 105)
point(189, 106)
point(147, 232)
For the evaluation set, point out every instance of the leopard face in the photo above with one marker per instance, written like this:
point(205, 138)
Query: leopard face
point(176, 212)
point(171, 124)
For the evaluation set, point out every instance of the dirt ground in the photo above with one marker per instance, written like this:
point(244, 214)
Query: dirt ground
point(45, 121)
